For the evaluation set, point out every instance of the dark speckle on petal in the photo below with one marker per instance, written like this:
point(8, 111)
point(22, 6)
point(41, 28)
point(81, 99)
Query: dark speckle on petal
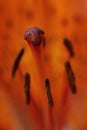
point(5, 36)
point(29, 15)
point(64, 22)
point(77, 18)
point(9, 23)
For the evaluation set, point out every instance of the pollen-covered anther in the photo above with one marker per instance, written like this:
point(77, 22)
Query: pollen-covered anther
point(49, 95)
point(17, 62)
point(71, 77)
point(34, 35)
point(27, 87)
point(69, 47)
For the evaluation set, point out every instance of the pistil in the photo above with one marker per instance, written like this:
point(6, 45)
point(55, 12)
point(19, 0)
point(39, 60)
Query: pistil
point(34, 38)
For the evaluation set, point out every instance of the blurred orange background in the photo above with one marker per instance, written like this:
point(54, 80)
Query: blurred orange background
point(59, 19)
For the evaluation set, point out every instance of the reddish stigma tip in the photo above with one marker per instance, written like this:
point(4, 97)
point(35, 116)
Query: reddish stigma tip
point(34, 35)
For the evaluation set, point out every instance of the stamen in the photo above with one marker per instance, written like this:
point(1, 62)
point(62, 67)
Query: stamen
point(27, 87)
point(69, 47)
point(49, 96)
point(17, 61)
point(71, 77)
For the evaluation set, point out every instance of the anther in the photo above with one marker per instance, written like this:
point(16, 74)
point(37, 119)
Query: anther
point(17, 61)
point(71, 77)
point(69, 46)
point(49, 96)
point(27, 87)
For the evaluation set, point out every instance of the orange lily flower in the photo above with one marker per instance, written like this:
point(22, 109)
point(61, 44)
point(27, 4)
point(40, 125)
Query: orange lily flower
point(65, 19)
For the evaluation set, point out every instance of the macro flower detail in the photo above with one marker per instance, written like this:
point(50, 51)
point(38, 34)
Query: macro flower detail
point(43, 61)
